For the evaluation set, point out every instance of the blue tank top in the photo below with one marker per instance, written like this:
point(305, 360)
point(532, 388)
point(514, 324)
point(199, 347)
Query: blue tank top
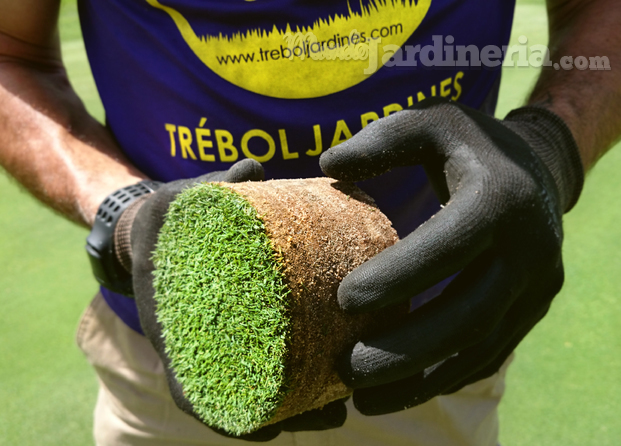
point(192, 86)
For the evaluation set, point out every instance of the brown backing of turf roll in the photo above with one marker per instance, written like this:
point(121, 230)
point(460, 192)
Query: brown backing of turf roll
point(321, 230)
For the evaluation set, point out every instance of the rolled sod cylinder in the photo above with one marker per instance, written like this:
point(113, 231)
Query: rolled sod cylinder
point(246, 286)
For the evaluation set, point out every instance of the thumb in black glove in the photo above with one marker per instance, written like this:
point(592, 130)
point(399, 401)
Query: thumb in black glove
point(505, 185)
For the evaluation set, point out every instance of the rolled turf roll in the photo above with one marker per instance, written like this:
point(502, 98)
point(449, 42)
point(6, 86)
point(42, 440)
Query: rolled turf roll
point(245, 280)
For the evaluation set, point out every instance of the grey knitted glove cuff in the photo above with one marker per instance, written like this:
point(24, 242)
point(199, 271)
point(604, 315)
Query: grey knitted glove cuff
point(550, 138)
point(122, 233)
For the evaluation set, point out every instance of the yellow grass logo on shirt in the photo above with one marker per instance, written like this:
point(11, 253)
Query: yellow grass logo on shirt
point(330, 56)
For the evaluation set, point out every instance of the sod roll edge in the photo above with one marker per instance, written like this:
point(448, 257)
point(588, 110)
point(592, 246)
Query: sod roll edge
point(246, 280)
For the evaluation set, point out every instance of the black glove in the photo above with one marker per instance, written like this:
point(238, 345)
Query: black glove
point(506, 185)
point(135, 237)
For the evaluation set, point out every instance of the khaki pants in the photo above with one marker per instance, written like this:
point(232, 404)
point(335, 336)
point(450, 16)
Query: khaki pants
point(134, 406)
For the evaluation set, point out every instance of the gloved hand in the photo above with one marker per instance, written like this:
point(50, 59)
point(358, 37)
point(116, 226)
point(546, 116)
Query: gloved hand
point(135, 237)
point(505, 185)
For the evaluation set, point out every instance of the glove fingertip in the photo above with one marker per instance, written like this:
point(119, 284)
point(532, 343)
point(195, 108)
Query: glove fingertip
point(392, 397)
point(330, 416)
point(356, 295)
point(348, 162)
point(336, 414)
point(345, 370)
point(367, 403)
point(330, 162)
point(357, 367)
point(346, 300)
point(245, 170)
point(264, 434)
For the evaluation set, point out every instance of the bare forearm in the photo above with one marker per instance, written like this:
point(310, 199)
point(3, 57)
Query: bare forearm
point(588, 100)
point(50, 144)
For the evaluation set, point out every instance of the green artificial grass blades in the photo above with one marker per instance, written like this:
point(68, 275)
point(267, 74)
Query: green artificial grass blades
point(221, 301)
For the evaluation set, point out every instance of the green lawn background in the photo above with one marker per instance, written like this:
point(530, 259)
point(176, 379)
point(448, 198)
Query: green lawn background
point(563, 389)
